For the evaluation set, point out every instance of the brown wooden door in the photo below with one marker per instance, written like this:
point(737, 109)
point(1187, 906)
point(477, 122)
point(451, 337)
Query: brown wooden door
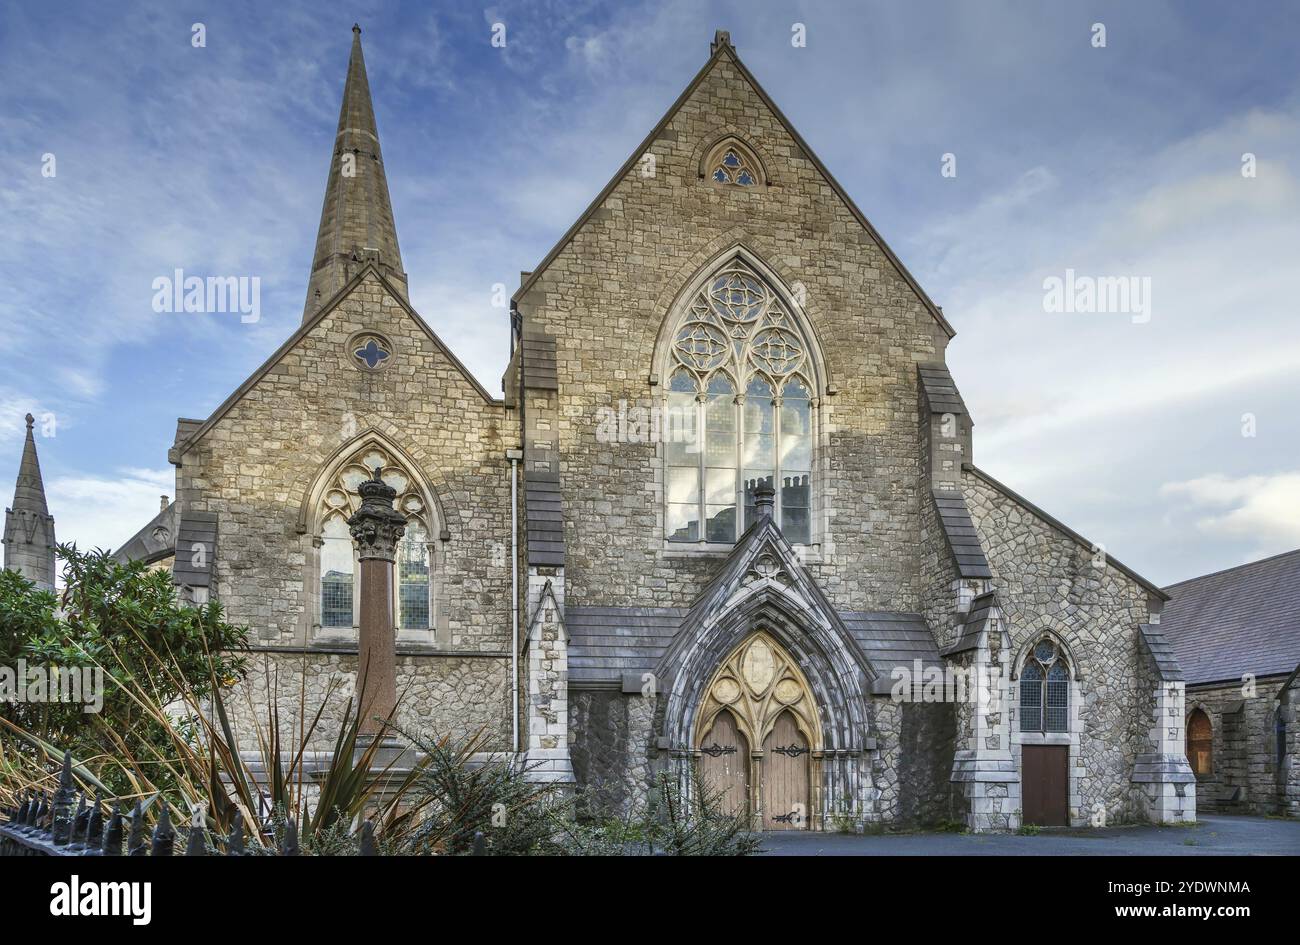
point(785, 777)
point(724, 766)
point(1045, 785)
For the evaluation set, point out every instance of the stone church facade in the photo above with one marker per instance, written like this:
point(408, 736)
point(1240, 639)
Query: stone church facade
point(724, 516)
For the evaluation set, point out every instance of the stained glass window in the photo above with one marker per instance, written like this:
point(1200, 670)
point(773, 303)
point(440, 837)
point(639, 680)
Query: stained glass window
point(1045, 690)
point(732, 164)
point(371, 351)
point(337, 574)
point(1031, 698)
point(337, 556)
point(413, 578)
point(737, 335)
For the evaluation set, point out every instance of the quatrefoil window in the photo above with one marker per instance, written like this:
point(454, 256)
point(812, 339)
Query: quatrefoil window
point(370, 351)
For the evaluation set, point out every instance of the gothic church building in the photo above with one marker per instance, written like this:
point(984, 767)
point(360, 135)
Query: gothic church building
point(724, 515)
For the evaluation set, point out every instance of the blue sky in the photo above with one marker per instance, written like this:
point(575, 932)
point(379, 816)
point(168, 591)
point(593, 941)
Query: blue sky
point(1123, 160)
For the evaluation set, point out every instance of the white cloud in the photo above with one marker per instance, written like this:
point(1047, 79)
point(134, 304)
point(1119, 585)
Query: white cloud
point(1261, 509)
point(103, 512)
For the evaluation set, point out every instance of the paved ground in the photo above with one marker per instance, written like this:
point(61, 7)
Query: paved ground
point(1221, 836)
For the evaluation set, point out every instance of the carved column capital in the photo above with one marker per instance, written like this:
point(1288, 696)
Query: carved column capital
point(377, 527)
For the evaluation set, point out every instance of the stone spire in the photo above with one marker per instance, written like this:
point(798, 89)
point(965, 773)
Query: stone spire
point(29, 527)
point(356, 220)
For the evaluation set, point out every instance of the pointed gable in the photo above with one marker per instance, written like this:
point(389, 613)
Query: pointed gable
point(724, 68)
point(376, 279)
point(762, 562)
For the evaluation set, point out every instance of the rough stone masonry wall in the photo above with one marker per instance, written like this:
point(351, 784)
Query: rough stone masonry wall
point(257, 463)
point(443, 695)
point(1244, 777)
point(606, 294)
point(612, 749)
point(1046, 581)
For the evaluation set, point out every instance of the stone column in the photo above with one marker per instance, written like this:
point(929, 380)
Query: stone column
point(376, 528)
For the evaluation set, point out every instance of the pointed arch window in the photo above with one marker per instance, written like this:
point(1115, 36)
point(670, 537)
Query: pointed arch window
point(1045, 690)
point(731, 164)
point(338, 573)
point(739, 412)
point(337, 564)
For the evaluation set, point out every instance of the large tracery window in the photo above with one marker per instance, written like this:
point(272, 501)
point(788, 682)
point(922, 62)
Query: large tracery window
point(740, 412)
point(338, 566)
point(1045, 690)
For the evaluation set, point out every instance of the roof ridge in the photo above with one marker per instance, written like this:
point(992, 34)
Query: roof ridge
point(1235, 567)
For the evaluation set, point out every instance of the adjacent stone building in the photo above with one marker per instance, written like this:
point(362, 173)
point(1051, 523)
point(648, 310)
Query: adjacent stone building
point(1236, 634)
point(725, 516)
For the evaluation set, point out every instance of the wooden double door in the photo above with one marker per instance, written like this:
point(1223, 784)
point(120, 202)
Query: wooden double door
point(757, 733)
point(775, 782)
point(1045, 785)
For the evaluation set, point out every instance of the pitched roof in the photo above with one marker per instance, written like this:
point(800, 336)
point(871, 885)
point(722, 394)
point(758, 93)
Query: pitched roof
point(356, 220)
point(155, 541)
point(890, 639)
point(722, 48)
point(606, 643)
point(1242, 620)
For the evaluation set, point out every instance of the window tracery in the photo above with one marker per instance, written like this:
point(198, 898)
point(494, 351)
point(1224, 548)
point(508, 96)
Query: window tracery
point(337, 563)
point(740, 400)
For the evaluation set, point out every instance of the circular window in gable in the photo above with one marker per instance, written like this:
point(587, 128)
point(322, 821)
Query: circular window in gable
point(370, 351)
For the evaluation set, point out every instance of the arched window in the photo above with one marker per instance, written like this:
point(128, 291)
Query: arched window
point(337, 562)
point(1045, 690)
point(740, 411)
point(730, 163)
point(337, 573)
point(1200, 742)
point(413, 578)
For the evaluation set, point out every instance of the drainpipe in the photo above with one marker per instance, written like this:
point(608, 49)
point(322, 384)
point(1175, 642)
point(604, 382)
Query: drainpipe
point(514, 456)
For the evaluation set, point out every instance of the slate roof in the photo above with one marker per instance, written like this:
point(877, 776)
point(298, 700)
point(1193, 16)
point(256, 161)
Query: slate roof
point(544, 516)
point(940, 389)
point(1161, 652)
point(196, 528)
point(975, 618)
point(143, 546)
point(606, 643)
point(892, 639)
point(1242, 620)
point(538, 350)
point(963, 539)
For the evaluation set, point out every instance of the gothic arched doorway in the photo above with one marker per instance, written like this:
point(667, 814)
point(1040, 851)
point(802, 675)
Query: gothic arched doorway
point(757, 736)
